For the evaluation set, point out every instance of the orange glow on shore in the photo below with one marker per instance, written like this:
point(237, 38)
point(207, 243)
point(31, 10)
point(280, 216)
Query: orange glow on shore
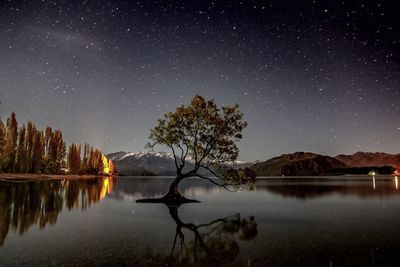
point(106, 167)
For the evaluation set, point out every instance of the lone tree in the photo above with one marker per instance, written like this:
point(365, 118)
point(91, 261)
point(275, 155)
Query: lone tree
point(206, 136)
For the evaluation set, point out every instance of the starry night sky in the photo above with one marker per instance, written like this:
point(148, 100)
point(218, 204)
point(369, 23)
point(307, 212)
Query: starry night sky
point(321, 76)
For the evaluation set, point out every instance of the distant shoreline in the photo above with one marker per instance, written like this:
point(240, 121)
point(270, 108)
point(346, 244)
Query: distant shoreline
point(34, 176)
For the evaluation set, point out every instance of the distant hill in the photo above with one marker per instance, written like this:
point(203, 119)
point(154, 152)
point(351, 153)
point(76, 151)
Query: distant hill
point(297, 164)
point(369, 159)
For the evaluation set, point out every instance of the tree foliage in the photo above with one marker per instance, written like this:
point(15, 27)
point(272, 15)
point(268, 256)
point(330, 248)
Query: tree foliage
point(90, 162)
point(206, 136)
point(29, 150)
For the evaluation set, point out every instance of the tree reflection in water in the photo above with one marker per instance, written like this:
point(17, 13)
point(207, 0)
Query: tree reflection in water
point(213, 244)
point(23, 203)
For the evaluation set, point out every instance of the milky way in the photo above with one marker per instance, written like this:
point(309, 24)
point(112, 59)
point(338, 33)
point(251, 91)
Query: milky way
point(318, 76)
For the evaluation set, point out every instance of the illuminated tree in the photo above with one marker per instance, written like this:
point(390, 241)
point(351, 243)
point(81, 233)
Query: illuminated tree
point(74, 158)
point(37, 151)
point(21, 156)
point(206, 135)
point(113, 169)
point(28, 150)
point(29, 141)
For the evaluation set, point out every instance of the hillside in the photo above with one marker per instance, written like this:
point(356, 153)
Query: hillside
point(298, 163)
point(368, 159)
point(295, 164)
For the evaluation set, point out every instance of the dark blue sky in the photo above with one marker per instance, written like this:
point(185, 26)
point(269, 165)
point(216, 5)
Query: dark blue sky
point(319, 76)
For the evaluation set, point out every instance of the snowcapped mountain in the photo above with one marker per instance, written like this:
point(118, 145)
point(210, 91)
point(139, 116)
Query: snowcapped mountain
point(152, 163)
point(144, 163)
point(118, 156)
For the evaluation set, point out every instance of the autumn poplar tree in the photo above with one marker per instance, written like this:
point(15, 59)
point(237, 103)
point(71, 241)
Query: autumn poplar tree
point(21, 156)
point(206, 136)
point(10, 147)
point(37, 151)
point(74, 159)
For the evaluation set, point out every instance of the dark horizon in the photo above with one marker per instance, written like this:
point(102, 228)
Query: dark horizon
point(308, 76)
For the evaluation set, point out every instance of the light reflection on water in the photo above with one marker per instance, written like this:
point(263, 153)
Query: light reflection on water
point(23, 204)
point(343, 221)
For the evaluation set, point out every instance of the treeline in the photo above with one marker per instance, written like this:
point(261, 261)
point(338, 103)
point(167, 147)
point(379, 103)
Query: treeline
point(363, 170)
point(92, 161)
point(27, 149)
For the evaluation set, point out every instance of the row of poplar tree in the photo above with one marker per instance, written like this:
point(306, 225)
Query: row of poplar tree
point(27, 149)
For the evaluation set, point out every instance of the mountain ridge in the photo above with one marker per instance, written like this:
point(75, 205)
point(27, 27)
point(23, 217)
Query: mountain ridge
point(153, 163)
point(292, 164)
point(312, 164)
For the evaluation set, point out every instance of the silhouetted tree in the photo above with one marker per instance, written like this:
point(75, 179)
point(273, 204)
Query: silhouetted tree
point(207, 135)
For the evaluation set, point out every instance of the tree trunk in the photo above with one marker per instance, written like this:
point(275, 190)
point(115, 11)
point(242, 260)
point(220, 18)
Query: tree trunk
point(173, 191)
point(173, 197)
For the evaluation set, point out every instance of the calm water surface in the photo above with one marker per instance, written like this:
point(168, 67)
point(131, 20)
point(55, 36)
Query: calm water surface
point(338, 221)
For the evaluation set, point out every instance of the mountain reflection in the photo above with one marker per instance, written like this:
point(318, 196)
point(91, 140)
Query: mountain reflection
point(309, 189)
point(27, 203)
point(212, 244)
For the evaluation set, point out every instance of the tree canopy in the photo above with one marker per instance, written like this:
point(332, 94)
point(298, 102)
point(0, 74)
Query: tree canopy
point(206, 136)
point(28, 149)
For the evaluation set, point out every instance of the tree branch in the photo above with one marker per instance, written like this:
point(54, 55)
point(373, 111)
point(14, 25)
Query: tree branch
point(173, 152)
point(183, 161)
point(211, 171)
point(212, 181)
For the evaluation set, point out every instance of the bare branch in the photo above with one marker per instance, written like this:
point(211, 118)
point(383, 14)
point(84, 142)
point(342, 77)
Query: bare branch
point(212, 181)
point(173, 152)
point(211, 171)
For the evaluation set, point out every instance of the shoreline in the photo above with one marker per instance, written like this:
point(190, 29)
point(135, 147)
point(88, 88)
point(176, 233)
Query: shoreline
point(36, 176)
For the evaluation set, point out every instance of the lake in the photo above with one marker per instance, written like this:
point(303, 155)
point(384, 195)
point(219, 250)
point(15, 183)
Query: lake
point(326, 221)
